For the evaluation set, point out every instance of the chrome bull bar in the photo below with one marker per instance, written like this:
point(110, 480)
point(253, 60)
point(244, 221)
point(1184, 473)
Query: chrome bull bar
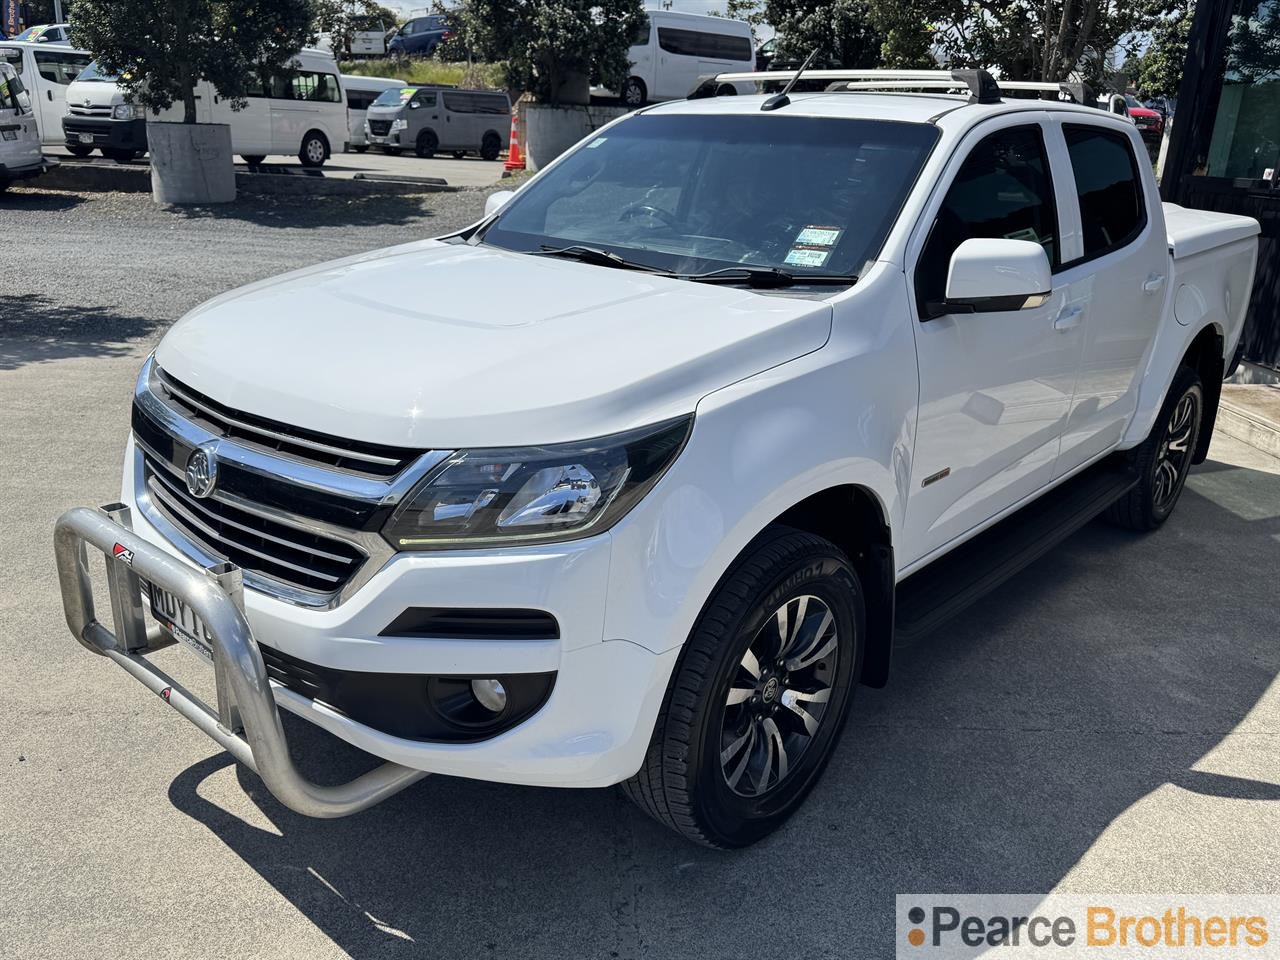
point(247, 721)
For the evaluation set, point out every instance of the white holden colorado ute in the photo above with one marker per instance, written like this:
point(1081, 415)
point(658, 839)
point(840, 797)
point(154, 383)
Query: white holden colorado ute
point(635, 480)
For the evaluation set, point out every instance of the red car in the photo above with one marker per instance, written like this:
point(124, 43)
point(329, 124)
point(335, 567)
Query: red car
point(1150, 122)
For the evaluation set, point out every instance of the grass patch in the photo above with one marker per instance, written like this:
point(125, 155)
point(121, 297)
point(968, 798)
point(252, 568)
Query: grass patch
point(474, 76)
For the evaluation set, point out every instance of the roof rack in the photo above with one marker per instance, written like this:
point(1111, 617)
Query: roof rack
point(982, 86)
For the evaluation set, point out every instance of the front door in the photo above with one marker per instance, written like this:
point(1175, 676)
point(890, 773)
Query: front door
point(56, 69)
point(995, 387)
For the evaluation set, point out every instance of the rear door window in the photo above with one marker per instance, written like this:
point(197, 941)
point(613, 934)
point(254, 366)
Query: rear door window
point(709, 46)
point(60, 67)
point(1003, 191)
point(13, 58)
point(1112, 208)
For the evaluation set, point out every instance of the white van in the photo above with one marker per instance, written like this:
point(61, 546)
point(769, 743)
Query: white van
point(20, 155)
point(671, 51)
point(301, 113)
point(46, 70)
point(361, 92)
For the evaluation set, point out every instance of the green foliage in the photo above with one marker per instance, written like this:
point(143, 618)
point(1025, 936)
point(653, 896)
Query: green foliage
point(843, 32)
point(544, 43)
point(342, 19)
point(473, 76)
point(1022, 39)
point(162, 48)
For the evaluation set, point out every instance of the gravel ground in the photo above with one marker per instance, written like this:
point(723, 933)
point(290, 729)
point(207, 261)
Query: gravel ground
point(1109, 720)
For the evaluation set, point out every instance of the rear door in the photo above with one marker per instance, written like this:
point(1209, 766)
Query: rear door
point(300, 101)
point(251, 126)
point(995, 387)
point(677, 68)
point(1116, 275)
point(458, 132)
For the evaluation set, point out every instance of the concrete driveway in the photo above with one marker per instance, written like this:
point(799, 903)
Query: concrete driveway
point(1109, 720)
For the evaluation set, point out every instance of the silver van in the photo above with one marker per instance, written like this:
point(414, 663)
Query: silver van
point(431, 120)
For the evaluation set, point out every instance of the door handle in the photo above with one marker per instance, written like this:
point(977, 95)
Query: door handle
point(49, 94)
point(1153, 283)
point(1068, 318)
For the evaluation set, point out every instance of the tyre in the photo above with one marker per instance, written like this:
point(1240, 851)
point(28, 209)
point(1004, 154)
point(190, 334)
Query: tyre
point(314, 150)
point(362, 148)
point(426, 144)
point(253, 161)
point(490, 146)
point(634, 92)
point(79, 150)
point(726, 90)
point(1164, 458)
point(4, 185)
point(759, 695)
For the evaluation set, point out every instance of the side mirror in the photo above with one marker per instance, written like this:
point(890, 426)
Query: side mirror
point(414, 104)
point(497, 201)
point(991, 275)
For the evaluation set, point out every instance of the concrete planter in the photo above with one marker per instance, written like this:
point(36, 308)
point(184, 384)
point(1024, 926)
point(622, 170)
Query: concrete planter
point(550, 131)
point(191, 163)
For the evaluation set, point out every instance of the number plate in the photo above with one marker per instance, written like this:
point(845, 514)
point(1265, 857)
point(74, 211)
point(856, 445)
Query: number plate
point(11, 134)
point(178, 620)
point(86, 138)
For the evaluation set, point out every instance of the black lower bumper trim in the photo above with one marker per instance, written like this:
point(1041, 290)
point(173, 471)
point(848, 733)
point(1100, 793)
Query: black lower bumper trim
point(111, 134)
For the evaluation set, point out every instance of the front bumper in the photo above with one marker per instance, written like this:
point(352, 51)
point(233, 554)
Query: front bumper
point(105, 133)
point(591, 731)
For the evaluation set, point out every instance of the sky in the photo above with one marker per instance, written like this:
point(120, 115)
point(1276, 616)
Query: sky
point(408, 7)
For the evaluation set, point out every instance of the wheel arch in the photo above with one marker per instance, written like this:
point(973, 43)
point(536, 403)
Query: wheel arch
point(1205, 356)
point(324, 137)
point(852, 517)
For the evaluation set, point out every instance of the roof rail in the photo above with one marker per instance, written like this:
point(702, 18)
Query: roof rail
point(982, 86)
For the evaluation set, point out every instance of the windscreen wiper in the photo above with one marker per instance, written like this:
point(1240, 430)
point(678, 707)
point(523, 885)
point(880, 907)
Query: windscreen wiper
point(764, 277)
point(601, 258)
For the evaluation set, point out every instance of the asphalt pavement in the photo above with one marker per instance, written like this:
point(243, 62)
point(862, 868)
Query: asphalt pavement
point(1108, 720)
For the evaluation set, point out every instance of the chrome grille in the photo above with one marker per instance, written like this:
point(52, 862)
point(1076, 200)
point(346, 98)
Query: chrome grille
point(300, 444)
point(76, 111)
point(265, 546)
point(379, 128)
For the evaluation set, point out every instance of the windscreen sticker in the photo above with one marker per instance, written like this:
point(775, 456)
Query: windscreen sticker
point(407, 92)
point(807, 255)
point(1026, 233)
point(818, 236)
point(596, 142)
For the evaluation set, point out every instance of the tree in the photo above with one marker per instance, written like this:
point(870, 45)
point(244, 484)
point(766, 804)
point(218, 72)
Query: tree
point(1023, 39)
point(162, 48)
point(342, 19)
point(548, 42)
point(842, 31)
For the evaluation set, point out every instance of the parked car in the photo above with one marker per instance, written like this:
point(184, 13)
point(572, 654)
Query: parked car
point(361, 93)
point(1150, 123)
point(420, 36)
point(46, 71)
point(98, 118)
point(301, 112)
point(368, 39)
point(59, 33)
point(20, 155)
point(429, 120)
point(671, 51)
point(684, 430)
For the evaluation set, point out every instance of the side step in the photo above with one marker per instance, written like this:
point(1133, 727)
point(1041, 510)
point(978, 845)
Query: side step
point(927, 599)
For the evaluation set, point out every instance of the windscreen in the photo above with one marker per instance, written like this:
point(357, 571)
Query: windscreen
point(394, 97)
point(94, 72)
point(689, 194)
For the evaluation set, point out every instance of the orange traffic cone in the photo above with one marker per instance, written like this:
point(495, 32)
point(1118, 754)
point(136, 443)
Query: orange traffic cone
point(515, 159)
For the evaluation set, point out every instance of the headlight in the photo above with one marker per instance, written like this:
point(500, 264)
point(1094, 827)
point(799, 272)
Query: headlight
point(397, 124)
point(523, 494)
point(127, 111)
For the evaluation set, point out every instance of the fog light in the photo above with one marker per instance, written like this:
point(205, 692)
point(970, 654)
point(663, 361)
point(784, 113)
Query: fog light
point(491, 694)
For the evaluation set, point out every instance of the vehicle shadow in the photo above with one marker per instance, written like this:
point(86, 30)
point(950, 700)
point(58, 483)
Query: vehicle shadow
point(305, 211)
point(46, 201)
point(1007, 742)
point(35, 329)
